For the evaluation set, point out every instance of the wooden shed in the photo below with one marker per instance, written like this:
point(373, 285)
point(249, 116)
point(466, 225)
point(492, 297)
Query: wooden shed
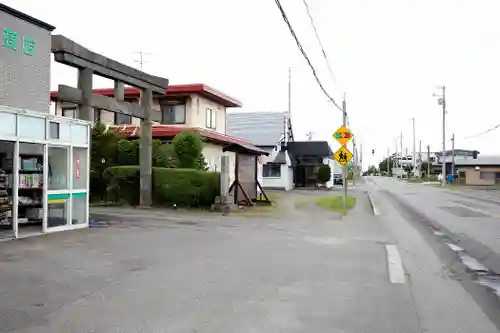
point(245, 184)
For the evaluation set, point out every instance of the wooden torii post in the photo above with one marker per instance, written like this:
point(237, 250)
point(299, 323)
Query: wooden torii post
point(89, 63)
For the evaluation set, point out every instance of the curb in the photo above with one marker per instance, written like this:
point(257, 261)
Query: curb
point(373, 205)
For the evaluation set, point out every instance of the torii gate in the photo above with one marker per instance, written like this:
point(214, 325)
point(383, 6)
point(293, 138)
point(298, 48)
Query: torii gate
point(88, 63)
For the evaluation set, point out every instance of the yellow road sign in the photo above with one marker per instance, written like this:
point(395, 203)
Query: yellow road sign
point(343, 156)
point(342, 135)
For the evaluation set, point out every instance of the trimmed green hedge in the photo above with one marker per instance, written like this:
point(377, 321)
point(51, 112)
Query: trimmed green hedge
point(183, 187)
point(122, 184)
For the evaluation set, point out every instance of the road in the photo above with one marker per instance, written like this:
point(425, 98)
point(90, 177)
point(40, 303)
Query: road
point(303, 270)
point(461, 228)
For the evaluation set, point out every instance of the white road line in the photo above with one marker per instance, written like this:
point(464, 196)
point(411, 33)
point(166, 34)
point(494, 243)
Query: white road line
point(375, 210)
point(395, 267)
point(477, 210)
point(455, 247)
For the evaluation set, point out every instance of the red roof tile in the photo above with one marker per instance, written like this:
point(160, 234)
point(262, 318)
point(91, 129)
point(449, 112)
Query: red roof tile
point(168, 131)
point(183, 89)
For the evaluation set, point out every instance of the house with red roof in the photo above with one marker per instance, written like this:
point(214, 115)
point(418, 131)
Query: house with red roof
point(190, 107)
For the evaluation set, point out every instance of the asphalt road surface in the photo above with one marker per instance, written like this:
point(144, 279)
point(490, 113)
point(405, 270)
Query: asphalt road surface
point(304, 270)
point(463, 231)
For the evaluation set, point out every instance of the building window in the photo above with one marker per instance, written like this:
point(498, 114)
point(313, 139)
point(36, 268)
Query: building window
point(271, 171)
point(69, 112)
point(210, 118)
point(487, 175)
point(122, 119)
point(173, 114)
point(97, 114)
point(54, 130)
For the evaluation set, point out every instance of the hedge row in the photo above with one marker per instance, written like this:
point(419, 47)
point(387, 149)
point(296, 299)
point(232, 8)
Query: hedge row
point(183, 187)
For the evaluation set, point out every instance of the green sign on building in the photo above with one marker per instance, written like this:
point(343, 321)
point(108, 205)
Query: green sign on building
point(10, 41)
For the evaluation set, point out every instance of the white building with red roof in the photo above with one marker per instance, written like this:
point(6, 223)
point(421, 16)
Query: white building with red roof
point(191, 107)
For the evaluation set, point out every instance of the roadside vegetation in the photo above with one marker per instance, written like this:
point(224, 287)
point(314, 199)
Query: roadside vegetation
point(336, 204)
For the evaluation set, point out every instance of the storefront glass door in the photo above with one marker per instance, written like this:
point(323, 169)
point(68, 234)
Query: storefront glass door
point(58, 187)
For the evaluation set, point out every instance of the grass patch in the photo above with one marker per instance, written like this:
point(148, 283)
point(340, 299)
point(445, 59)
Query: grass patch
point(335, 203)
point(414, 180)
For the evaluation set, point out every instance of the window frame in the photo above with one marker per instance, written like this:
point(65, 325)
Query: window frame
point(97, 114)
point(487, 175)
point(266, 170)
point(129, 119)
point(171, 108)
point(71, 108)
point(210, 118)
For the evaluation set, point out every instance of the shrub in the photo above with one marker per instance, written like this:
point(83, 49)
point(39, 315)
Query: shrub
point(128, 152)
point(184, 187)
point(123, 184)
point(324, 174)
point(188, 148)
point(164, 156)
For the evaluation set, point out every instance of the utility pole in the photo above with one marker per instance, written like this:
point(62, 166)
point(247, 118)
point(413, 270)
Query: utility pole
point(289, 90)
point(413, 155)
point(428, 160)
point(402, 169)
point(287, 116)
point(396, 155)
point(443, 103)
point(361, 158)
point(453, 154)
point(355, 157)
point(419, 165)
point(388, 160)
point(344, 169)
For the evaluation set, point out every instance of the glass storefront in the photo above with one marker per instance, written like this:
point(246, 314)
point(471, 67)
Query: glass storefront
point(46, 184)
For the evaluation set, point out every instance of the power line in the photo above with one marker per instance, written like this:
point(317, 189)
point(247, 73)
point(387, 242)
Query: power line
point(319, 41)
point(299, 45)
point(482, 133)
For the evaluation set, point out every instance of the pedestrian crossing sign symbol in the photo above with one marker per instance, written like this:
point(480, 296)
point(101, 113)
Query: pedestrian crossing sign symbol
point(343, 156)
point(342, 135)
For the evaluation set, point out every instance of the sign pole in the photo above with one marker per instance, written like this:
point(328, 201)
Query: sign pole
point(344, 169)
point(343, 156)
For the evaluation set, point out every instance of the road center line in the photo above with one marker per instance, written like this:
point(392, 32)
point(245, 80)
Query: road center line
point(394, 265)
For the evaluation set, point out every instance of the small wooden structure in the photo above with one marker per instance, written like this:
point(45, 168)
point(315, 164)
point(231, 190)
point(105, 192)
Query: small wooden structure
point(246, 181)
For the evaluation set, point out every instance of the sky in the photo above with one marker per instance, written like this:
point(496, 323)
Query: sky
point(388, 56)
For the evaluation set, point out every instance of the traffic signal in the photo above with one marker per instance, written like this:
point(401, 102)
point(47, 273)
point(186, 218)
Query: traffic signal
point(373, 151)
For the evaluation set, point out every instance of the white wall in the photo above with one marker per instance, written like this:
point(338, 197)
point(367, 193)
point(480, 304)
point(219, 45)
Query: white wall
point(285, 181)
point(334, 169)
point(196, 113)
point(213, 153)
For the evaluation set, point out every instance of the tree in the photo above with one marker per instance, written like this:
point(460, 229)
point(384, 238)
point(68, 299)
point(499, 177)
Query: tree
point(408, 169)
point(372, 170)
point(382, 166)
point(324, 174)
point(201, 163)
point(188, 149)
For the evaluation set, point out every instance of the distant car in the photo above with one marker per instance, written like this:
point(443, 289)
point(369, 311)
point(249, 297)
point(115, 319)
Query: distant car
point(337, 179)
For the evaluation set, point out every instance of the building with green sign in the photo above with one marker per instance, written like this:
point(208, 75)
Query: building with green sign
point(44, 159)
point(24, 61)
